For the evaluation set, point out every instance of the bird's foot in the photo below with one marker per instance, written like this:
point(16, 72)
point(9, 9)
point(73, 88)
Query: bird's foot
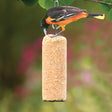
point(55, 35)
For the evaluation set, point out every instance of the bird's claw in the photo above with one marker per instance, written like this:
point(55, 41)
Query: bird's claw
point(55, 27)
point(54, 35)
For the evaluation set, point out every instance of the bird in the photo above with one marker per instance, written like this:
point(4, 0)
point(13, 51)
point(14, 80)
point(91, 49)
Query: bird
point(63, 15)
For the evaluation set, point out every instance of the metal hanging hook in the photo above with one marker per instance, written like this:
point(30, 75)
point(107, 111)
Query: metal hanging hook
point(56, 3)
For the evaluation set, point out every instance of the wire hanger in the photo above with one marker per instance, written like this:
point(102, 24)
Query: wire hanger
point(56, 3)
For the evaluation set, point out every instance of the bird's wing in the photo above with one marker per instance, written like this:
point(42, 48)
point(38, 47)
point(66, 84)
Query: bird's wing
point(65, 16)
point(63, 12)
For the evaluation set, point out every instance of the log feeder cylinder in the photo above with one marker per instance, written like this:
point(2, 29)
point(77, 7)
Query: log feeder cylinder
point(54, 68)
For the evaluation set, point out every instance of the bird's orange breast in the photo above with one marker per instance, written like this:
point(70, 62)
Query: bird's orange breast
point(67, 21)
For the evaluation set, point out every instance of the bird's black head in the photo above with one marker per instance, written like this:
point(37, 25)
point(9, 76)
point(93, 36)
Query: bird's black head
point(44, 25)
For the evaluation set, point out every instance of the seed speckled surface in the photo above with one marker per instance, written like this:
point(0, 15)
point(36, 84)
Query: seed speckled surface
point(54, 68)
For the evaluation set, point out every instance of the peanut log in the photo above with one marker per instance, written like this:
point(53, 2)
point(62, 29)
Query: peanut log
point(54, 68)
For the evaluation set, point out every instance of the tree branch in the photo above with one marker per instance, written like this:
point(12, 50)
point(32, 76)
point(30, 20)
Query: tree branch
point(101, 2)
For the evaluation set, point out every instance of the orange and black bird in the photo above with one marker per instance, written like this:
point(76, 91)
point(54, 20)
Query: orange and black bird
point(63, 15)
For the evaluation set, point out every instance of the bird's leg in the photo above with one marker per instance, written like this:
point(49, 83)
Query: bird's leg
point(56, 34)
point(56, 27)
point(63, 28)
point(53, 26)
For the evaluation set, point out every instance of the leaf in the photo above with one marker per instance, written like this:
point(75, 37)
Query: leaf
point(50, 3)
point(66, 2)
point(30, 2)
point(110, 15)
point(106, 7)
point(46, 4)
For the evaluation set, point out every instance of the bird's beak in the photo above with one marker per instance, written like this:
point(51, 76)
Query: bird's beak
point(45, 31)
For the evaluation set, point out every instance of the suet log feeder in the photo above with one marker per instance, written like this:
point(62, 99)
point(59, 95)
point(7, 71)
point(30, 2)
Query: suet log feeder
point(54, 68)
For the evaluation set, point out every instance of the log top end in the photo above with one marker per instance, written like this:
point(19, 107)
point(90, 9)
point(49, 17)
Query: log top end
point(48, 38)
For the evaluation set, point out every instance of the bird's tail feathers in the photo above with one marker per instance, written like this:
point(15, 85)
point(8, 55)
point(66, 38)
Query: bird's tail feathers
point(96, 15)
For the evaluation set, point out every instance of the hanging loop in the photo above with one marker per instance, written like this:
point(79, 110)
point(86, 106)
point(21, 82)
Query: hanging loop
point(56, 3)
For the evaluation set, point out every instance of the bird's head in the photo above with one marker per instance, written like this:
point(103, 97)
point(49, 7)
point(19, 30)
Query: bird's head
point(44, 25)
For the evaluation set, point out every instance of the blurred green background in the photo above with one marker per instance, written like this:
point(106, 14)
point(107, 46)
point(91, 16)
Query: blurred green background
point(89, 61)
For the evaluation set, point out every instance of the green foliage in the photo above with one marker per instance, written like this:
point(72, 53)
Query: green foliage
point(86, 62)
point(30, 2)
point(50, 3)
point(46, 3)
point(110, 15)
point(65, 2)
point(107, 8)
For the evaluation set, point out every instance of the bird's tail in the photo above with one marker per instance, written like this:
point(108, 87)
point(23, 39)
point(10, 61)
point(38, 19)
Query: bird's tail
point(96, 15)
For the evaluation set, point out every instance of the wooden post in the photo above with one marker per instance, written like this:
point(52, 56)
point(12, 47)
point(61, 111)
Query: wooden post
point(54, 68)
